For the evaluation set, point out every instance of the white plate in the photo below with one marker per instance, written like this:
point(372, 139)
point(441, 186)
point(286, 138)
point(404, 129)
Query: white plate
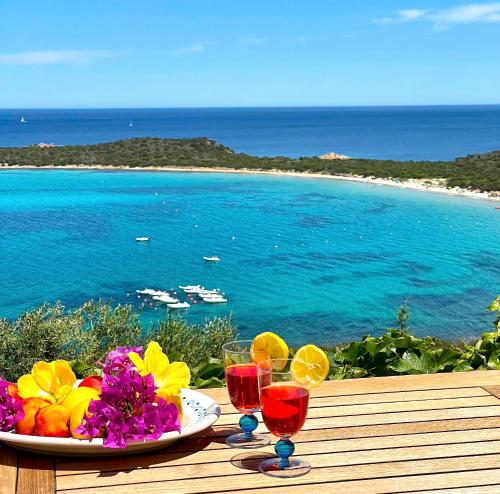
point(200, 412)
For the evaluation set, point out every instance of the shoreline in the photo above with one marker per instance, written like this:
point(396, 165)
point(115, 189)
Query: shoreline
point(423, 185)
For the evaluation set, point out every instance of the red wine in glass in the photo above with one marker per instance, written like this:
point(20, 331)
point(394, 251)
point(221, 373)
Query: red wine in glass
point(284, 408)
point(243, 387)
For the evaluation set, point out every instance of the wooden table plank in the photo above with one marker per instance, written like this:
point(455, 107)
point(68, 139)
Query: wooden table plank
point(384, 418)
point(393, 485)
point(493, 390)
point(8, 470)
point(36, 474)
point(333, 410)
point(485, 489)
point(396, 397)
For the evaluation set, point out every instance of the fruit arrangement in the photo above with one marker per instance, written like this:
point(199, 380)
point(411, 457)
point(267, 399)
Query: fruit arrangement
point(137, 398)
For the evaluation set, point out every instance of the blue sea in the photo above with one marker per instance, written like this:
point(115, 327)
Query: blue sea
point(400, 133)
point(315, 260)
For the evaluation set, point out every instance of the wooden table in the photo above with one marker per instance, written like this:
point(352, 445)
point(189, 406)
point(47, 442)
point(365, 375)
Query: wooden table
point(436, 434)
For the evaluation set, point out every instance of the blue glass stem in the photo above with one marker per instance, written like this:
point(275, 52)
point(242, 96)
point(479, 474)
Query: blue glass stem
point(248, 424)
point(284, 449)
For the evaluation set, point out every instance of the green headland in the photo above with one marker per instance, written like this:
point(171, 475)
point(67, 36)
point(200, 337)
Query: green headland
point(473, 172)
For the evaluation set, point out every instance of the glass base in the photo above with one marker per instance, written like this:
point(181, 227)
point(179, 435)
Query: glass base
point(295, 468)
point(241, 440)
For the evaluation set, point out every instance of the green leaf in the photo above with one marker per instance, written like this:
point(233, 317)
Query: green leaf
point(411, 363)
point(463, 366)
point(446, 358)
point(81, 369)
point(373, 345)
point(357, 372)
point(209, 370)
point(212, 382)
point(175, 357)
point(352, 352)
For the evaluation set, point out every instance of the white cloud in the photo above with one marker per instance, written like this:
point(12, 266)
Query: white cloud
point(465, 14)
point(412, 14)
point(442, 18)
point(53, 57)
point(194, 47)
point(253, 41)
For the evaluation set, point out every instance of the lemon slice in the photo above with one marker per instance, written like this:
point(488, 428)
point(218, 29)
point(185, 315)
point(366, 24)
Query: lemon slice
point(269, 346)
point(310, 366)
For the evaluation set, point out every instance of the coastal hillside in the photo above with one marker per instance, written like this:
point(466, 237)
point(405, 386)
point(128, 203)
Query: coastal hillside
point(478, 171)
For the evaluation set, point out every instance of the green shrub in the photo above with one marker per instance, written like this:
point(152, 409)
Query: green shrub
point(85, 335)
point(399, 352)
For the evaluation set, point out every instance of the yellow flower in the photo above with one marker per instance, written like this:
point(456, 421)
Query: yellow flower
point(169, 377)
point(51, 381)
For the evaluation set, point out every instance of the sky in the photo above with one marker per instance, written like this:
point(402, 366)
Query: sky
point(227, 53)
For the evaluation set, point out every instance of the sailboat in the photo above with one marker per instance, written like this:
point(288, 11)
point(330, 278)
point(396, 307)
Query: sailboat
point(23, 120)
point(130, 124)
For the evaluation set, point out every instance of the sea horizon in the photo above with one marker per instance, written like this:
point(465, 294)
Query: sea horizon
point(430, 132)
point(238, 107)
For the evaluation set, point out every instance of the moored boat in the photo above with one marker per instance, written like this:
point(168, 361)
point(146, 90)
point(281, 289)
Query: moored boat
point(193, 290)
point(207, 293)
point(215, 300)
point(165, 299)
point(179, 305)
point(191, 287)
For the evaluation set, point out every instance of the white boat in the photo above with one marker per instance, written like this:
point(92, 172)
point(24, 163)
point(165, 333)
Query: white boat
point(165, 299)
point(151, 292)
point(211, 259)
point(130, 124)
point(193, 290)
point(191, 287)
point(146, 291)
point(159, 293)
point(23, 120)
point(209, 293)
point(215, 300)
point(142, 239)
point(179, 305)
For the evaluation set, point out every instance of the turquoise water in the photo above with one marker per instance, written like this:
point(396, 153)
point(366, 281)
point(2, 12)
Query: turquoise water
point(316, 260)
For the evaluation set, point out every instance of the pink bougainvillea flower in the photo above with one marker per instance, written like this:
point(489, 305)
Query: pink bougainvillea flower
point(11, 408)
point(128, 409)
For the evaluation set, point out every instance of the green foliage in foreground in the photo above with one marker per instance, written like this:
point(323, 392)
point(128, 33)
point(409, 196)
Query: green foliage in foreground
point(86, 334)
point(475, 171)
point(398, 352)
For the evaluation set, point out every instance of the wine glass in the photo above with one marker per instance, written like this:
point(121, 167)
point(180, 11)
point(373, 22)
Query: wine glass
point(284, 403)
point(243, 388)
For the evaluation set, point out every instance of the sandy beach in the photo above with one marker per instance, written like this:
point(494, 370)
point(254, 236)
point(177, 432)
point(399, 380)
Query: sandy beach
point(424, 185)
